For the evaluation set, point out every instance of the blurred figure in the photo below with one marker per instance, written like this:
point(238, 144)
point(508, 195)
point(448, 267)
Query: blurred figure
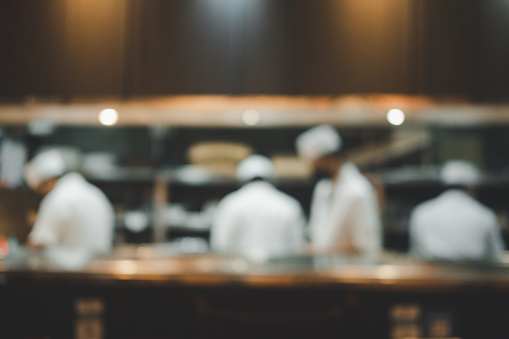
point(258, 220)
point(344, 210)
point(455, 226)
point(73, 213)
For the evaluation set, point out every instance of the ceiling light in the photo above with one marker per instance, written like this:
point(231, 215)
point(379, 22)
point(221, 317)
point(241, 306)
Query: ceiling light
point(108, 117)
point(395, 117)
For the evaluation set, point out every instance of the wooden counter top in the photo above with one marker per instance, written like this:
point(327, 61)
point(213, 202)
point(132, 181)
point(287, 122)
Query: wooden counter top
point(389, 272)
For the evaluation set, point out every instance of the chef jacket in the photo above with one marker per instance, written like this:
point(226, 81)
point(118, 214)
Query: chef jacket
point(258, 219)
point(455, 226)
point(75, 214)
point(345, 216)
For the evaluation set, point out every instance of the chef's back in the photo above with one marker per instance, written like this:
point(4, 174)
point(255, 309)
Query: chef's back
point(454, 225)
point(258, 220)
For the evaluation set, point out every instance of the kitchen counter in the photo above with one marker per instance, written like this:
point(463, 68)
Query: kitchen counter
point(160, 264)
point(145, 292)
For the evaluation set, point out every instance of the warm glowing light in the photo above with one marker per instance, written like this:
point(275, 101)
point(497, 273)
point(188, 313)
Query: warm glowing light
point(126, 267)
point(387, 272)
point(251, 117)
point(395, 117)
point(108, 117)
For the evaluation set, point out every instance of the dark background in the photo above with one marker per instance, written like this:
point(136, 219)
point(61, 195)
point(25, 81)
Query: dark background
point(129, 48)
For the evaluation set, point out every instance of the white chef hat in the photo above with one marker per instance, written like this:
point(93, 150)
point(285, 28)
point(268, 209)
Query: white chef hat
point(459, 172)
point(45, 165)
point(317, 142)
point(255, 166)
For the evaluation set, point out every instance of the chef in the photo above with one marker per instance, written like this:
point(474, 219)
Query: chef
point(454, 225)
point(73, 213)
point(344, 216)
point(258, 220)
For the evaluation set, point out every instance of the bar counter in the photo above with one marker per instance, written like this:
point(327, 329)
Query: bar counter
point(157, 292)
point(144, 265)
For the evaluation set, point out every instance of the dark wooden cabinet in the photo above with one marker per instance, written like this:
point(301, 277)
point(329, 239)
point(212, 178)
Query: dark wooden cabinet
point(126, 48)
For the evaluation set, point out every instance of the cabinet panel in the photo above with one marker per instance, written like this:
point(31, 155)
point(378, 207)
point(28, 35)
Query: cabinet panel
point(32, 53)
point(94, 46)
point(352, 46)
point(209, 47)
point(179, 47)
point(268, 57)
point(493, 51)
point(62, 48)
point(442, 47)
